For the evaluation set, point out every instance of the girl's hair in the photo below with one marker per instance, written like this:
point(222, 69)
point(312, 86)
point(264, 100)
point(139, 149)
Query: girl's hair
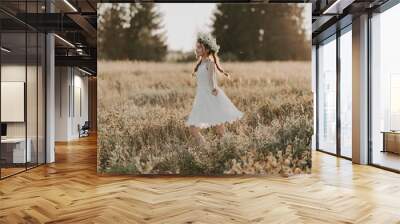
point(216, 60)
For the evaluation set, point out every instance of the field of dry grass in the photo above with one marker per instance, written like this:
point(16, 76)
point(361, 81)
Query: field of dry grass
point(142, 107)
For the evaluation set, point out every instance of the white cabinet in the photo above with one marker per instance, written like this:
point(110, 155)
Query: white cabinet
point(18, 149)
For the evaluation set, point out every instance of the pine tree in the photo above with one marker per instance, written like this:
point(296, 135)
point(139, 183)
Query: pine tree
point(261, 32)
point(143, 43)
point(131, 31)
point(110, 34)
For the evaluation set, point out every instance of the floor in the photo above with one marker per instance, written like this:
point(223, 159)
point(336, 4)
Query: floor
point(10, 171)
point(70, 191)
point(387, 159)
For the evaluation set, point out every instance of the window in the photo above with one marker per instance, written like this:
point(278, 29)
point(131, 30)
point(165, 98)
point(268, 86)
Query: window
point(346, 92)
point(327, 95)
point(385, 88)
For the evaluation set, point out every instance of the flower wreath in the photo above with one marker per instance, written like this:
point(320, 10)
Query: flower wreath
point(208, 40)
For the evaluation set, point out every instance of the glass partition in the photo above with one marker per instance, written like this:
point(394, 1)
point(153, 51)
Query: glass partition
point(23, 91)
point(41, 107)
point(32, 95)
point(327, 95)
point(14, 153)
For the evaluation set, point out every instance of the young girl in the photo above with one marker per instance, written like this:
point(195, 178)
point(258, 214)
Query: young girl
point(211, 107)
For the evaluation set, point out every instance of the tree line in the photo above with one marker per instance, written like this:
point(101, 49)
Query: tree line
point(245, 32)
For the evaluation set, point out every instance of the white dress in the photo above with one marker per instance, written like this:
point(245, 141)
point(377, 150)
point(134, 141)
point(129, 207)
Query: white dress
point(210, 110)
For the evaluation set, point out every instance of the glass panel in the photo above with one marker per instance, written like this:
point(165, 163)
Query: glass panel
point(32, 91)
point(346, 94)
point(313, 80)
point(22, 88)
point(41, 98)
point(327, 96)
point(31, 99)
point(385, 83)
point(13, 86)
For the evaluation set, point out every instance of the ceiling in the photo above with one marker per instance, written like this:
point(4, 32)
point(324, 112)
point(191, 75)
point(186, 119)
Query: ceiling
point(328, 16)
point(74, 22)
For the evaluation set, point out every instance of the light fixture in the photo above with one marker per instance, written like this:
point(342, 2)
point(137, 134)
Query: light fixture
point(84, 71)
point(5, 50)
point(70, 5)
point(80, 51)
point(65, 41)
point(337, 7)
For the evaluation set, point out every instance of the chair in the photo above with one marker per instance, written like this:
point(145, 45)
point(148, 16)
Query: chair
point(84, 130)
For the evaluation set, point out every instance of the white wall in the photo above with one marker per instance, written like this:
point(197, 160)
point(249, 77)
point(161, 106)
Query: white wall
point(14, 73)
point(68, 83)
point(80, 83)
point(33, 126)
point(62, 81)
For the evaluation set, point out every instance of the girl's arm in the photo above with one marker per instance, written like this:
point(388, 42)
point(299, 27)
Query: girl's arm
point(212, 75)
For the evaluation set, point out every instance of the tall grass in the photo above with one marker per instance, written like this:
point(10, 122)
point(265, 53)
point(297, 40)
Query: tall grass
point(143, 106)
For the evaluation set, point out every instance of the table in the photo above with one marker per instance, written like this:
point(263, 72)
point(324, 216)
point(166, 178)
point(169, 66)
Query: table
point(391, 141)
point(13, 150)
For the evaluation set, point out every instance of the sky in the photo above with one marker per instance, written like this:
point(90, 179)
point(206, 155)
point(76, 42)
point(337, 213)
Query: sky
point(181, 22)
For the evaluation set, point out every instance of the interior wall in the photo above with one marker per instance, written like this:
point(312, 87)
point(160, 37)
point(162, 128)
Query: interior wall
point(80, 109)
point(70, 83)
point(17, 73)
point(62, 80)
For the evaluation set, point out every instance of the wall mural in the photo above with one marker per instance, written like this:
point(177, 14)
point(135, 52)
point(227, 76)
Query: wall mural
point(204, 89)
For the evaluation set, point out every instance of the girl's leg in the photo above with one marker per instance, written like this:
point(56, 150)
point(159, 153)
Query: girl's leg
point(195, 131)
point(220, 130)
